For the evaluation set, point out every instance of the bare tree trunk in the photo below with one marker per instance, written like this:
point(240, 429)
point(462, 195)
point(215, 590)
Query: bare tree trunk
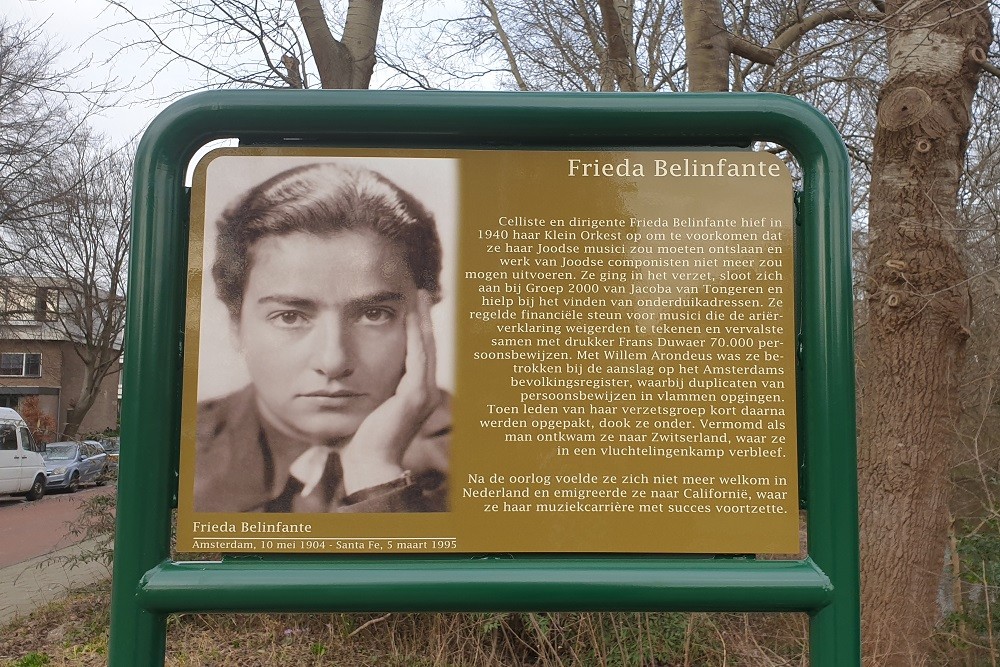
point(360, 33)
point(348, 62)
point(620, 56)
point(707, 45)
point(918, 312)
point(83, 404)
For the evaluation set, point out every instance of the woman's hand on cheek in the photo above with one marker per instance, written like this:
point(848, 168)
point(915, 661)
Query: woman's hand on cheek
point(373, 456)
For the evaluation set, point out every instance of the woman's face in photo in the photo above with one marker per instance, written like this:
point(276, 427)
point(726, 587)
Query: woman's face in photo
point(323, 329)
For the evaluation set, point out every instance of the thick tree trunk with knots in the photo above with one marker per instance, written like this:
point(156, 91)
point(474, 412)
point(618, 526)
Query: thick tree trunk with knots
point(350, 61)
point(918, 312)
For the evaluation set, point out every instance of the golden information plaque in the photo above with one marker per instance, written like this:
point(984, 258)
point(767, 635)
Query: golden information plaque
point(431, 351)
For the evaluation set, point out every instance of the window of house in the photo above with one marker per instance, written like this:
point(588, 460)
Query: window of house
point(26, 303)
point(17, 302)
point(21, 364)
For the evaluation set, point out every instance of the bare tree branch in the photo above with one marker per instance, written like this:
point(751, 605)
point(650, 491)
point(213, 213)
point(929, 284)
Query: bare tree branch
point(37, 121)
point(768, 55)
point(796, 31)
point(505, 42)
point(744, 48)
point(255, 44)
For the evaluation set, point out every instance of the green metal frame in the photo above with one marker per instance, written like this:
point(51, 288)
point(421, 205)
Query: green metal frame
point(148, 585)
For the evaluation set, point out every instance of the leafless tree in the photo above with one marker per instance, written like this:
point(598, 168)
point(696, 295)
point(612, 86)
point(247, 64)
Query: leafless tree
point(78, 253)
point(919, 316)
point(37, 120)
point(280, 44)
point(900, 77)
point(917, 289)
point(572, 45)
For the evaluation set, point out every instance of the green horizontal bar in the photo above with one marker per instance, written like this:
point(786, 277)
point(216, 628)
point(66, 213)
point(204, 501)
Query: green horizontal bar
point(488, 584)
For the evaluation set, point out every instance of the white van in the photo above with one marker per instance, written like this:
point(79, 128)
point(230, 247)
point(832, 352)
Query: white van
point(22, 470)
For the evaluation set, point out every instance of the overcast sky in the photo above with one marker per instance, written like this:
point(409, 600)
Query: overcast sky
point(90, 31)
point(81, 32)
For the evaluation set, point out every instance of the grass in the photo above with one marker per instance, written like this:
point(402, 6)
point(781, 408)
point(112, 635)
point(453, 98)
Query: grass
point(74, 632)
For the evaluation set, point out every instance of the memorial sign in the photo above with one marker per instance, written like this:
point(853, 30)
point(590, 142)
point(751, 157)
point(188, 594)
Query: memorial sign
point(603, 360)
point(540, 367)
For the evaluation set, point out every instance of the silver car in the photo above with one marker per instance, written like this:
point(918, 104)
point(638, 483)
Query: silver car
point(70, 464)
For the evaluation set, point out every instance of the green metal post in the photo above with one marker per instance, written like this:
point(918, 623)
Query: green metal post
point(828, 425)
point(147, 585)
point(151, 387)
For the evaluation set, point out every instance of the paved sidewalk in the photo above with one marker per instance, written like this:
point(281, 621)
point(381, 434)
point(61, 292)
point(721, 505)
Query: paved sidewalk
point(26, 586)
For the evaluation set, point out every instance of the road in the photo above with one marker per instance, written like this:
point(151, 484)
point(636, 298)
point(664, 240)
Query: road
point(28, 530)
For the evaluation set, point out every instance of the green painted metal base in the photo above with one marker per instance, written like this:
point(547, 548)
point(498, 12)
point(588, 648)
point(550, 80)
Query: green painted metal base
point(522, 584)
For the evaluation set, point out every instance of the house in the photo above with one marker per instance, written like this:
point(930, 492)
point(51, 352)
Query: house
point(43, 348)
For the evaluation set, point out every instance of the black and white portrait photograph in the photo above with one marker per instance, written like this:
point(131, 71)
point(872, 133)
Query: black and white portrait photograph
point(325, 365)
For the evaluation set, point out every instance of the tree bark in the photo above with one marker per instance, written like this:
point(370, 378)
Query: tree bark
point(360, 34)
point(918, 313)
point(621, 58)
point(707, 46)
point(350, 61)
point(83, 403)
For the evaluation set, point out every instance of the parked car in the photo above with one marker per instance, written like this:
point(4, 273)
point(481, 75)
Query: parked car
point(112, 446)
point(70, 464)
point(22, 470)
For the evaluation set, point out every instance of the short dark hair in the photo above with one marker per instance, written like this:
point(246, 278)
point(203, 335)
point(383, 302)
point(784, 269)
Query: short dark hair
point(319, 199)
